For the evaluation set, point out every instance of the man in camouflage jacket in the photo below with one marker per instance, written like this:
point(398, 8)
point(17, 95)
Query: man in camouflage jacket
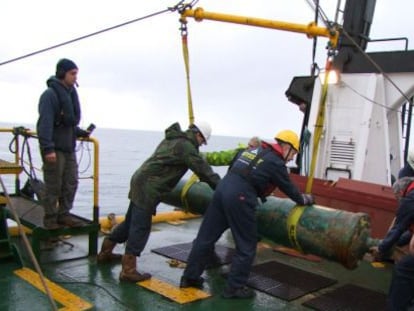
point(157, 176)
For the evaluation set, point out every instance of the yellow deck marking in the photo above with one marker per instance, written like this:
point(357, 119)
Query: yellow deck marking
point(180, 295)
point(59, 294)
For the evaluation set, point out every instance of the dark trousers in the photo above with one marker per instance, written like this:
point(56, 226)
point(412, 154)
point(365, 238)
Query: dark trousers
point(401, 292)
point(134, 230)
point(61, 183)
point(233, 206)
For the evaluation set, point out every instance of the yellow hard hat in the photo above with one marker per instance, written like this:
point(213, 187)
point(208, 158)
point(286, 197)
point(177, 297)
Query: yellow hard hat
point(289, 137)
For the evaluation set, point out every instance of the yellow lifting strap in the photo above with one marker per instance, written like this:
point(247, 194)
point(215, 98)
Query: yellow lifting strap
point(184, 42)
point(319, 125)
point(295, 214)
point(193, 179)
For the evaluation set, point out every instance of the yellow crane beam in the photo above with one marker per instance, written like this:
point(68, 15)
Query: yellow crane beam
point(311, 29)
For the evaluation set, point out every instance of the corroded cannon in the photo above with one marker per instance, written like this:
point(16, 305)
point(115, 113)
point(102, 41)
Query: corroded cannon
point(336, 235)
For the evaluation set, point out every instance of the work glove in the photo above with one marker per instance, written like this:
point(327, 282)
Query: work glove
point(308, 199)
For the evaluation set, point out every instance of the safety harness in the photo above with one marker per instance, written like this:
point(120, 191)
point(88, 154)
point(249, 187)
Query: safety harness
point(408, 189)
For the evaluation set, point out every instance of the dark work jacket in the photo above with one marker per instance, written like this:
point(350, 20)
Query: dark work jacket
point(269, 172)
point(406, 171)
point(160, 173)
point(59, 116)
point(403, 219)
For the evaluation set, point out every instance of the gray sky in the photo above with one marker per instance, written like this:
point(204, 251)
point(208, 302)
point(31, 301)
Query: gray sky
point(133, 77)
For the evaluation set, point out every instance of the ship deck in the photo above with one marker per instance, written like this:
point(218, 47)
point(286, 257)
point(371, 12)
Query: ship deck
point(82, 284)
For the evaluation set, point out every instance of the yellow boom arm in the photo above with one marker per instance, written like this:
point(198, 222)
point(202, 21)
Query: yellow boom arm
point(311, 30)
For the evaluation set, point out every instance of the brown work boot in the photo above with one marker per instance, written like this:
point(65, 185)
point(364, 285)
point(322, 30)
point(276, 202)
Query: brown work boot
point(68, 221)
point(129, 271)
point(106, 255)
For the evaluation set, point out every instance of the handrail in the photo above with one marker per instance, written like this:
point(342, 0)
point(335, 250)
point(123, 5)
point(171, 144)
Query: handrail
point(391, 39)
point(95, 175)
point(16, 155)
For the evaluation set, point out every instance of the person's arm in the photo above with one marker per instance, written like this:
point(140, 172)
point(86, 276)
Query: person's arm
point(201, 168)
point(220, 158)
point(390, 239)
point(282, 180)
point(401, 224)
point(46, 121)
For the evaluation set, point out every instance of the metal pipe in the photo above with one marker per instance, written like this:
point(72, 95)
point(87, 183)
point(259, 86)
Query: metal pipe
point(336, 235)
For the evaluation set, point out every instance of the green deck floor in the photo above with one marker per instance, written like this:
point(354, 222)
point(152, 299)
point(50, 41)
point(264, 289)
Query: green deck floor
point(99, 284)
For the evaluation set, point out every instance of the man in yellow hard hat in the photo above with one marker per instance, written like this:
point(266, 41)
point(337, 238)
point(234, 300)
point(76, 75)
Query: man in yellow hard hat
point(254, 174)
point(289, 140)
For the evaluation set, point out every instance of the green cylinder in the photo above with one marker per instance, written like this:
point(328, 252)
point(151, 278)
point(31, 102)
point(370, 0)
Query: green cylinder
point(336, 235)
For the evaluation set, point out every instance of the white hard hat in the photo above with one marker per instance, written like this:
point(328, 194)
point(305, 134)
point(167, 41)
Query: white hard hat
point(204, 128)
point(410, 158)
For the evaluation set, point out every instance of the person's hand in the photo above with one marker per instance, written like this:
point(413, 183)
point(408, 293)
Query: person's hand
point(376, 254)
point(82, 133)
point(374, 251)
point(308, 199)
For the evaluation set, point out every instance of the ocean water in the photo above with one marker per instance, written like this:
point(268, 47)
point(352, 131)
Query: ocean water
point(121, 152)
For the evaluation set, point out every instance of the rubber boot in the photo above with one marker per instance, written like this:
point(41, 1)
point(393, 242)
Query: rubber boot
point(129, 271)
point(106, 255)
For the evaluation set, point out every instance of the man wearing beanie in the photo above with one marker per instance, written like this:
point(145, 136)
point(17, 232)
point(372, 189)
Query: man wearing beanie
point(57, 129)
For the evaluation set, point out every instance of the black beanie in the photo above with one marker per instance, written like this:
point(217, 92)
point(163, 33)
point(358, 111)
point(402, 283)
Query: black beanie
point(64, 65)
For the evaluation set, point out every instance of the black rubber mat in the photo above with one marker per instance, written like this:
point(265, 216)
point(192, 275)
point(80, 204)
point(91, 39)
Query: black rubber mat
point(223, 255)
point(349, 297)
point(285, 282)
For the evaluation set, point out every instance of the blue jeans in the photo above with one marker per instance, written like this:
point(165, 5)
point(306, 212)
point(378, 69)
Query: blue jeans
point(134, 230)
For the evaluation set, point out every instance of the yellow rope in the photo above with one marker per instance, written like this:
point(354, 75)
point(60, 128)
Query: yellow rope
point(297, 211)
point(187, 68)
point(191, 181)
point(194, 178)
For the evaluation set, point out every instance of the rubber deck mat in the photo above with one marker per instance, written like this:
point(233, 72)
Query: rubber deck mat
point(285, 282)
point(349, 297)
point(223, 255)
